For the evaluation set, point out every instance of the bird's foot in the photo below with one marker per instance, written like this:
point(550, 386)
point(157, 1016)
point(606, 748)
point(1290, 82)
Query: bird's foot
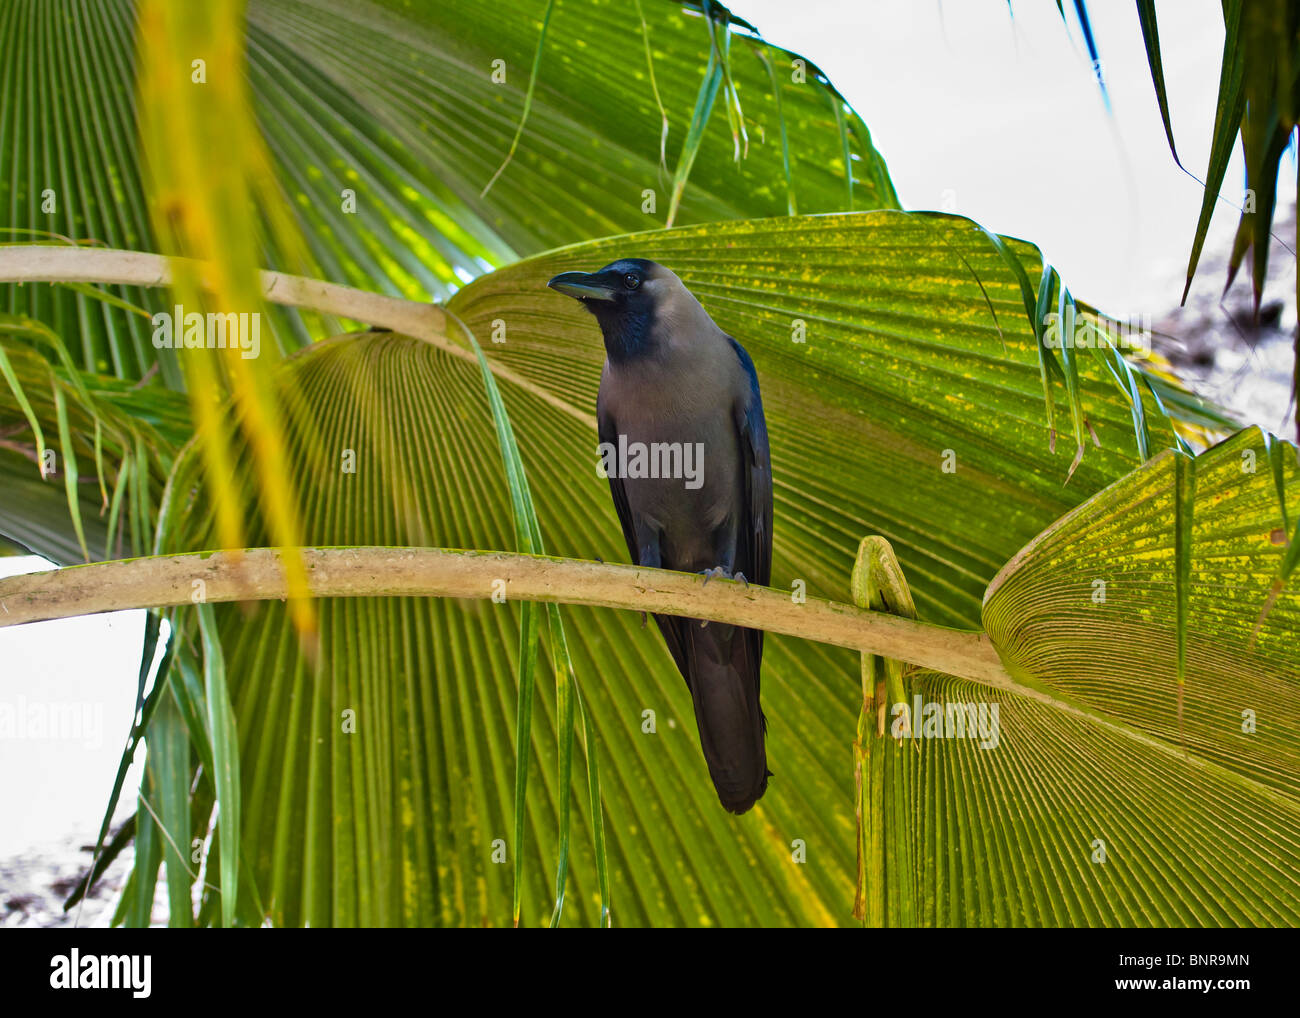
point(644, 619)
point(717, 572)
point(713, 573)
point(708, 575)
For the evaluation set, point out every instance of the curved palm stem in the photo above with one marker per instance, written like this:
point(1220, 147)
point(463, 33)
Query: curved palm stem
point(257, 574)
point(41, 263)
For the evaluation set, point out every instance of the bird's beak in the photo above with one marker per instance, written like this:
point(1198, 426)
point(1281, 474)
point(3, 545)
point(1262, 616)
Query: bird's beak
point(583, 285)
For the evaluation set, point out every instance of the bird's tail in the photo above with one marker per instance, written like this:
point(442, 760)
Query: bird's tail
point(722, 670)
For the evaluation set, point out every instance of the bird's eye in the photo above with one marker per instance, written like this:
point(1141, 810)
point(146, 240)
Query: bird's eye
point(631, 280)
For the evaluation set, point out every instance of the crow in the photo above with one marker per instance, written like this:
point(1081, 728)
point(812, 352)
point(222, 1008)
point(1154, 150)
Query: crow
point(684, 444)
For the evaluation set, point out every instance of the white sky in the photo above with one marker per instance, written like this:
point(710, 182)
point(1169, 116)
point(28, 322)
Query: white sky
point(1002, 113)
point(55, 783)
point(1003, 117)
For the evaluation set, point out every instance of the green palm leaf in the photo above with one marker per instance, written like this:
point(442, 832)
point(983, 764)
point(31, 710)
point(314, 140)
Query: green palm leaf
point(396, 104)
point(1103, 585)
point(911, 393)
point(411, 839)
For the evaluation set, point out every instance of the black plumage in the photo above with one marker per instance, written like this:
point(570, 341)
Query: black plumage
point(674, 381)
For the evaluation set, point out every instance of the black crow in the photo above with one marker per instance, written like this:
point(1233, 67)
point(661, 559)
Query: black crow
point(684, 444)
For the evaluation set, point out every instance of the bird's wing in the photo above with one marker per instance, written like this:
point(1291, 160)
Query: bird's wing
point(608, 432)
point(754, 538)
point(674, 629)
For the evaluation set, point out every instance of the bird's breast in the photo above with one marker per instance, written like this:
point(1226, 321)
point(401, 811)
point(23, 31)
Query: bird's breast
point(677, 454)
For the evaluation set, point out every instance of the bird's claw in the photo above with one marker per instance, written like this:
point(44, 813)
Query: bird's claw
point(715, 572)
point(719, 572)
point(644, 619)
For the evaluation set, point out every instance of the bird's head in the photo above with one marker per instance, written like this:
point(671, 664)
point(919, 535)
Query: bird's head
point(627, 297)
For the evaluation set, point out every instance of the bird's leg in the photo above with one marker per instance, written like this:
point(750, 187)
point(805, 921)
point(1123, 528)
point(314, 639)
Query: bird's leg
point(647, 540)
point(724, 551)
point(724, 547)
point(647, 543)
